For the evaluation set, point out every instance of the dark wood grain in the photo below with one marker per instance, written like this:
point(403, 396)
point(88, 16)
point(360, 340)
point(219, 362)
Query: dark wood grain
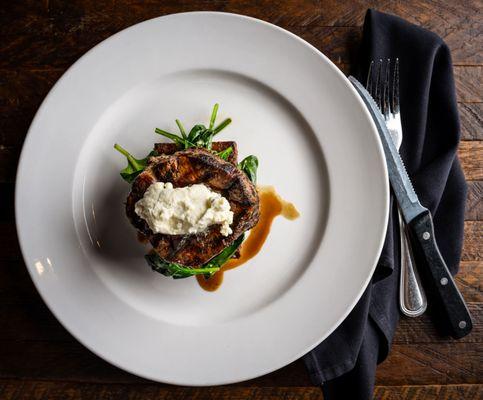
point(76, 26)
point(470, 282)
point(51, 53)
point(9, 156)
point(429, 392)
point(39, 40)
point(468, 81)
point(474, 203)
point(10, 249)
point(473, 241)
point(419, 364)
point(471, 157)
point(408, 364)
point(40, 390)
point(471, 119)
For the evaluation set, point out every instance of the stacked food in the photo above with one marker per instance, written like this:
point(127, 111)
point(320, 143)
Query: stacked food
point(192, 200)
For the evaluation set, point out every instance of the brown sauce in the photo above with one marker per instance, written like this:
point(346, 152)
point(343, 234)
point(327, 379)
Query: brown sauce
point(271, 206)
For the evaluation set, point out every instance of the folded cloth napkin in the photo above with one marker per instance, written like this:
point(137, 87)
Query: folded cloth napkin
point(345, 362)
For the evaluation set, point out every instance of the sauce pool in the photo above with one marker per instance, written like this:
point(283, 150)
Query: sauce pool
point(271, 206)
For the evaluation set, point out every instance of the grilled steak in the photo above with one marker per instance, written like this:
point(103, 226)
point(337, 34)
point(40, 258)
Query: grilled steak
point(187, 167)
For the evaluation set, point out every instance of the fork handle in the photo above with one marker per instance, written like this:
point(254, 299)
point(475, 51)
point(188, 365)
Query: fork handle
point(412, 298)
point(446, 295)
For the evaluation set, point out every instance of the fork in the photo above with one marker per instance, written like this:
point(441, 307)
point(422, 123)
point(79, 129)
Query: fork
point(385, 91)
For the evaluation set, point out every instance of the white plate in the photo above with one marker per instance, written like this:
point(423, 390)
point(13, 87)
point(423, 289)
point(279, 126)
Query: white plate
point(316, 144)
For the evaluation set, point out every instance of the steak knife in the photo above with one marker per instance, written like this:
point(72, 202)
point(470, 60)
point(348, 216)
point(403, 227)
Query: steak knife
point(457, 318)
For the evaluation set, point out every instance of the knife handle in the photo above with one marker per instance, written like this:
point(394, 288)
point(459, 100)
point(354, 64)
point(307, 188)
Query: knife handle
point(458, 318)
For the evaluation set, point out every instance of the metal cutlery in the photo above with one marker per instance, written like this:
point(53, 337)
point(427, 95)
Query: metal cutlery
point(384, 88)
point(419, 221)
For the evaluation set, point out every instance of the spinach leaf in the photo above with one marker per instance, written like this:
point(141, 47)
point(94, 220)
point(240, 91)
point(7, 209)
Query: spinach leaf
point(181, 128)
point(222, 126)
point(224, 256)
point(249, 166)
point(213, 115)
point(134, 166)
point(224, 154)
point(180, 141)
point(199, 135)
point(178, 271)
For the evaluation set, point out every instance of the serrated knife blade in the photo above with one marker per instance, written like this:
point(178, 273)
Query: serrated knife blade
point(456, 317)
point(400, 182)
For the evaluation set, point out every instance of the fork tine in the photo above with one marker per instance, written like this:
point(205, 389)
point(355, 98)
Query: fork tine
point(385, 90)
point(395, 89)
point(377, 94)
point(369, 77)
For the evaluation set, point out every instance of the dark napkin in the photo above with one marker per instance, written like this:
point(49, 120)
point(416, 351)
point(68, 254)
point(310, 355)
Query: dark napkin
point(345, 362)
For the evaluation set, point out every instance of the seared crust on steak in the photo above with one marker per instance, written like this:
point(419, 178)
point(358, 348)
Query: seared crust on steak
point(187, 167)
point(171, 148)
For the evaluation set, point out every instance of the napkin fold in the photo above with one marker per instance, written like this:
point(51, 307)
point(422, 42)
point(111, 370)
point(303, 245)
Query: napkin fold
point(345, 363)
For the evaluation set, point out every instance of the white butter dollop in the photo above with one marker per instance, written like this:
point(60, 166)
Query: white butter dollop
point(186, 210)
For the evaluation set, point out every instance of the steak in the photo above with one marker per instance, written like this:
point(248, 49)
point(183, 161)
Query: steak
point(187, 167)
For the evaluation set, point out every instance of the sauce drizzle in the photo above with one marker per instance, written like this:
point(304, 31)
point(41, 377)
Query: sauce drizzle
point(271, 206)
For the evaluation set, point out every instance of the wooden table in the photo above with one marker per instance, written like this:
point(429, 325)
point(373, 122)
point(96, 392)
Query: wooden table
point(39, 40)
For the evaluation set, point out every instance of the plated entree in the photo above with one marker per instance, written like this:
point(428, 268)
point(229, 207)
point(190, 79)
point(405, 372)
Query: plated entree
point(194, 202)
